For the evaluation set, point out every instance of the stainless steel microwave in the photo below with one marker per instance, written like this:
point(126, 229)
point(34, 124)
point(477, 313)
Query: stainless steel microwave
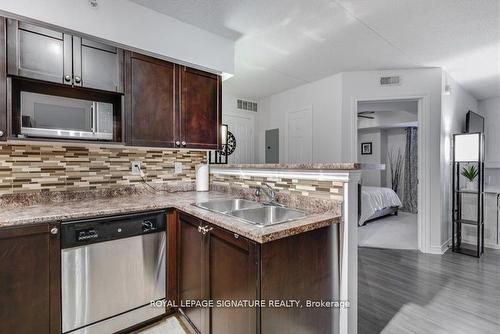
point(49, 116)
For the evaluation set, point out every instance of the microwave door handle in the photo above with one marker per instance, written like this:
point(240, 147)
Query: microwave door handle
point(94, 117)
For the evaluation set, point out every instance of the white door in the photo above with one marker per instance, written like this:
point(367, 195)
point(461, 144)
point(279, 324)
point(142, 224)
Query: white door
point(242, 127)
point(299, 135)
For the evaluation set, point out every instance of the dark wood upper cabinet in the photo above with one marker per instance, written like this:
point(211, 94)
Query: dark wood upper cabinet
point(169, 105)
point(98, 65)
point(200, 108)
point(40, 53)
point(3, 79)
point(150, 101)
point(30, 298)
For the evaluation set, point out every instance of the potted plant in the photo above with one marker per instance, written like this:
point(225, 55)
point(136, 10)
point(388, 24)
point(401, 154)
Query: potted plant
point(470, 173)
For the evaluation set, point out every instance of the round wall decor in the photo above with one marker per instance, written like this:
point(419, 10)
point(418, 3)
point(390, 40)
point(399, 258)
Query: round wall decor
point(231, 144)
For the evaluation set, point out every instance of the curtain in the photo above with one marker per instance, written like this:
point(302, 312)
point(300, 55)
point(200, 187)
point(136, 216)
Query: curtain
point(410, 195)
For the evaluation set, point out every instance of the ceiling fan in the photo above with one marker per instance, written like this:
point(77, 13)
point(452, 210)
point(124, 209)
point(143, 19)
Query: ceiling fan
point(364, 114)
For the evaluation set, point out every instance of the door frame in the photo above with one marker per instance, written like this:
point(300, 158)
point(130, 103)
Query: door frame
point(243, 115)
point(309, 108)
point(424, 180)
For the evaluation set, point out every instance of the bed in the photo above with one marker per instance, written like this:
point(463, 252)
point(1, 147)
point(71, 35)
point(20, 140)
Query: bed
point(377, 202)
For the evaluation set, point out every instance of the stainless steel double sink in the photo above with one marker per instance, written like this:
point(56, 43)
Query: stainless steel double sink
point(252, 212)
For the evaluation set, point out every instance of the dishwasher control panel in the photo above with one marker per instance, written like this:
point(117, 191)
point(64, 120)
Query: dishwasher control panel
point(86, 234)
point(148, 225)
point(82, 232)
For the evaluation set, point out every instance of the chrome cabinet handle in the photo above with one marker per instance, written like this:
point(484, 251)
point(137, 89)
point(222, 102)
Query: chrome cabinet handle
point(236, 236)
point(183, 143)
point(1, 133)
point(204, 229)
point(67, 78)
point(177, 143)
point(78, 80)
point(54, 230)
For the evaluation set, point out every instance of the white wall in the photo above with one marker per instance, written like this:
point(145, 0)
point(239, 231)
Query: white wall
point(372, 178)
point(453, 110)
point(234, 118)
point(129, 24)
point(365, 86)
point(383, 142)
point(324, 96)
point(333, 101)
point(490, 109)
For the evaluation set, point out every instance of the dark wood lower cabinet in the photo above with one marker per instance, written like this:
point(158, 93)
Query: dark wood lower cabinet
point(232, 277)
point(3, 80)
point(301, 267)
point(218, 265)
point(192, 271)
point(30, 298)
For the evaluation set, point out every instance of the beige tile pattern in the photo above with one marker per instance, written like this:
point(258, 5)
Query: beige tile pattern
point(312, 188)
point(32, 167)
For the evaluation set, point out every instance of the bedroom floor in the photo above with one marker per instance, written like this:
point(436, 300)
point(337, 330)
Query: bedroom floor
point(394, 232)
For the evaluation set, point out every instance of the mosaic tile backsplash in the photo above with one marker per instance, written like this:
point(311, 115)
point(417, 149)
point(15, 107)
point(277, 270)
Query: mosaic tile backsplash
point(29, 167)
point(311, 188)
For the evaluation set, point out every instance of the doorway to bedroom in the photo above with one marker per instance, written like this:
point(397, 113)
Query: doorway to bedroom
point(388, 135)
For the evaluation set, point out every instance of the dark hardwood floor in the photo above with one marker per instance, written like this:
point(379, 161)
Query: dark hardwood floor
point(402, 291)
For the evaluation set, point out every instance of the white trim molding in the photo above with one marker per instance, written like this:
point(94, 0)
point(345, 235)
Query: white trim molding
point(440, 250)
point(318, 175)
point(424, 165)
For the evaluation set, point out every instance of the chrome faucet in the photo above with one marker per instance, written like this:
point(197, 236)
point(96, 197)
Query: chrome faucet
point(270, 193)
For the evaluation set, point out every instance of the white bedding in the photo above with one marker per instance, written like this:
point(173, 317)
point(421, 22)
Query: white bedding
point(374, 199)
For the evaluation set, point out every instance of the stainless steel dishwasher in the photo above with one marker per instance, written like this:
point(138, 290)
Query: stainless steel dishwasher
point(111, 270)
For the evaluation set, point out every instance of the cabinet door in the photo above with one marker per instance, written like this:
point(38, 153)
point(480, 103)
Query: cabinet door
point(30, 280)
point(38, 53)
point(97, 65)
point(232, 276)
point(150, 102)
point(192, 271)
point(200, 108)
point(3, 79)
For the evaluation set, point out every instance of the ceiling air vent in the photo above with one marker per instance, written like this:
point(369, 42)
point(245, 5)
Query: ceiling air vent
point(246, 105)
point(389, 81)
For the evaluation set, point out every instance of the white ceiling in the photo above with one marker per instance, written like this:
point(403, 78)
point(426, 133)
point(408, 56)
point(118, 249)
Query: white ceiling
point(281, 44)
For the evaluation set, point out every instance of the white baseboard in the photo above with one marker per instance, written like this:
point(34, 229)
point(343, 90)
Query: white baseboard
point(439, 250)
point(486, 243)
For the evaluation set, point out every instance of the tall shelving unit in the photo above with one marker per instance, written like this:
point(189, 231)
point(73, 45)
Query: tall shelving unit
point(468, 149)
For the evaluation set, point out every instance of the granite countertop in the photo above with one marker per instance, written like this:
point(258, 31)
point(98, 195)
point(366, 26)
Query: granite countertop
point(310, 166)
point(71, 210)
